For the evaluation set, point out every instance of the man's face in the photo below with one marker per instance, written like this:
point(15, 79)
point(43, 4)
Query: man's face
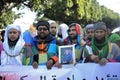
point(43, 32)
point(53, 29)
point(72, 33)
point(99, 34)
point(13, 34)
point(90, 33)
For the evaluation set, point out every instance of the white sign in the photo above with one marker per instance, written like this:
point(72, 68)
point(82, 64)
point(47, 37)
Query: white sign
point(83, 71)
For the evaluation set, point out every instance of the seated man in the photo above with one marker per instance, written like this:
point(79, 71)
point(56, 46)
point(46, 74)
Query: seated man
point(103, 50)
point(44, 47)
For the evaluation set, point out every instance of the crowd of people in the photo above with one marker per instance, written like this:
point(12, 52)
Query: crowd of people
point(39, 45)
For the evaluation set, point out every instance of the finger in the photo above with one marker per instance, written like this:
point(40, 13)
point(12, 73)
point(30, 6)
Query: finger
point(49, 65)
point(102, 62)
point(35, 65)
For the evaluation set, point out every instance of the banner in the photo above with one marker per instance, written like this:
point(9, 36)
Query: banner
point(83, 71)
point(28, 73)
point(91, 71)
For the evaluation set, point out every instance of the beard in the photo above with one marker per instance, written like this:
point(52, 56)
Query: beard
point(73, 37)
point(12, 43)
point(89, 38)
point(42, 36)
point(100, 40)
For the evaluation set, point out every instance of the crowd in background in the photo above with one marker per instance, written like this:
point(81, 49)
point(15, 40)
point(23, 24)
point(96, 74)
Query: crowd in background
point(39, 44)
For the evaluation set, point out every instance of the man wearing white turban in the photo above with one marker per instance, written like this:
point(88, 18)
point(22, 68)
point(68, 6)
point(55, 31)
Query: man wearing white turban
point(13, 46)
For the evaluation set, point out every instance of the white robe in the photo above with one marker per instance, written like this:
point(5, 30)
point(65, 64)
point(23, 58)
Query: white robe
point(6, 59)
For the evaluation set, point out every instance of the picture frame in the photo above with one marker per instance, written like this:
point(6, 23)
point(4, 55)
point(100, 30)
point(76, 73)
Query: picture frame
point(67, 54)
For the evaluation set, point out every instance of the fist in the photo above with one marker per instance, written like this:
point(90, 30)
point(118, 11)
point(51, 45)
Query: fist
point(103, 61)
point(94, 58)
point(57, 64)
point(35, 65)
point(49, 64)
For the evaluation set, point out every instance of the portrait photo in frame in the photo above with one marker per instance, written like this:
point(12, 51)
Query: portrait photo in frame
point(67, 54)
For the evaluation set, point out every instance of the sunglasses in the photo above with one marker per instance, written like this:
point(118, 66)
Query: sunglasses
point(44, 29)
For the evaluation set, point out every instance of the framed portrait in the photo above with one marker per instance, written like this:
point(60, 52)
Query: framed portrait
point(66, 54)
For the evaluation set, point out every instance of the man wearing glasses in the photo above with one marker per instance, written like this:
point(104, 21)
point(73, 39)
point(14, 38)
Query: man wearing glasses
point(44, 47)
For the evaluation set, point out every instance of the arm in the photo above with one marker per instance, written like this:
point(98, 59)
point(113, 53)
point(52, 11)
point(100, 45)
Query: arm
point(115, 54)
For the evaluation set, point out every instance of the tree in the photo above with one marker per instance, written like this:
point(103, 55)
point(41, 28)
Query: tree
point(68, 11)
point(80, 11)
point(7, 18)
point(6, 5)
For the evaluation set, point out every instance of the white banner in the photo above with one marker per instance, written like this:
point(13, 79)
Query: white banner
point(28, 73)
point(91, 71)
point(84, 71)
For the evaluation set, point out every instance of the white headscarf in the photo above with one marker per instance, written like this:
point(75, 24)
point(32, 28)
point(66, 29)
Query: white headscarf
point(5, 59)
point(64, 29)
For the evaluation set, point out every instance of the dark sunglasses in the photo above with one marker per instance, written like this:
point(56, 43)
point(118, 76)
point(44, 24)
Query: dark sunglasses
point(44, 29)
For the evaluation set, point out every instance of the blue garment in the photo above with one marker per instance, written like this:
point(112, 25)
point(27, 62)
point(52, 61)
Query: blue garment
point(68, 57)
point(51, 48)
point(28, 41)
point(27, 37)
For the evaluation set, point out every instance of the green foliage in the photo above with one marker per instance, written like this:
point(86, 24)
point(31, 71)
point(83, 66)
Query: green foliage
point(68, 11)
point(81, 11)
point(7, 18)
point(111, 18)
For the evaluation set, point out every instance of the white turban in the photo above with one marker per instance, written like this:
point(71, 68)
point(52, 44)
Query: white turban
point(18, 47)
point(64, 29)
